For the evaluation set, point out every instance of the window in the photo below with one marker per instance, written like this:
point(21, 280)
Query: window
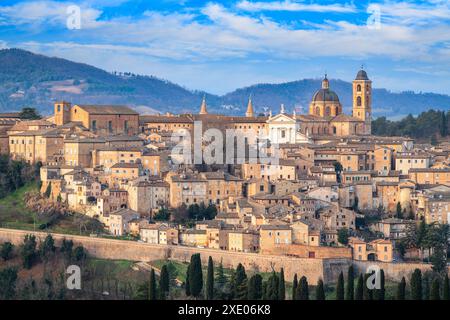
point(358, 102)
point(358, 88)
point(94, 124)
point(110, 128)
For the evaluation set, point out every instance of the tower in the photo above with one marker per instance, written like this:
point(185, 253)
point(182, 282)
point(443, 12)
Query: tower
point(62, 113)
point(362, 100)
point(203, 109)
point(250, 113)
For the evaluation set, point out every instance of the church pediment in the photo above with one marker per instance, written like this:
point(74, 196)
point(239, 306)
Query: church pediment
point(281, 118)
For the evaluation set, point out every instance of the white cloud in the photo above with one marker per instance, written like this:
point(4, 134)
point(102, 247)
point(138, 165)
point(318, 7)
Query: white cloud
point(289, 5)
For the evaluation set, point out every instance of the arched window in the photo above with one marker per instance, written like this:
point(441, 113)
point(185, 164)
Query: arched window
point(358, 88)
point(358, 101)
point(318, 111)
point(334, 130)
point(327, 111)
point(337, 110)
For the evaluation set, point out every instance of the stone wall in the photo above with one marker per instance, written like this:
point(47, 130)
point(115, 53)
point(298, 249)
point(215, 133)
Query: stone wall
point(304, 251)
point(313, 269)
point(392, 271)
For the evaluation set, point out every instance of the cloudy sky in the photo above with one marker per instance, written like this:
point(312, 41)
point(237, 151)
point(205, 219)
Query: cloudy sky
point(222, 45)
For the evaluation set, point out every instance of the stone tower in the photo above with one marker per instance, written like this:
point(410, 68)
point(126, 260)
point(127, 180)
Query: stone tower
point(62, 113)
point(362, 100)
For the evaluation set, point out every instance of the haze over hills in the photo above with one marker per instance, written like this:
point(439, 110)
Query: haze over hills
point(28, 79)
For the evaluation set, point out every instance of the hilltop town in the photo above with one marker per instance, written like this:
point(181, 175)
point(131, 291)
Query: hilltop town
point(334, 190)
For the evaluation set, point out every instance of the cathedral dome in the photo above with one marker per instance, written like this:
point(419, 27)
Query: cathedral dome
point(325, 95)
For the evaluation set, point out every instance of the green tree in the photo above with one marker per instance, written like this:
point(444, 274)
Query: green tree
point(401, 290)
point(195, 275)
point(435, 294)
point(281, 286)
point(209, 293)
point(221, 282)
point(163, 214)
point(29, 114)
point(338, 169)
point(255, 287)
point(152, 286)
point(8, 279)
point(416, 285)
point(439, 259)
point(320, 291)
point(302, 289)
point(240, 283)
point(359, 288)
point(28, 251)
point(272, 287)
point(446, 289)
point(349, 295)
point(294, 286)
point(164, 282)
point(187, 286)
point(80, 254)
point(434, 140)
point(343, 236)
point(47, 247)
point(67, 248)
point(6, 251)
point(340, 287)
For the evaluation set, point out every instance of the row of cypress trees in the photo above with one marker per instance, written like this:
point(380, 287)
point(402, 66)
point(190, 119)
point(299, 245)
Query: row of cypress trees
point(274, 288)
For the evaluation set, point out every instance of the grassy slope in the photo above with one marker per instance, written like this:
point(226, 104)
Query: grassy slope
point(15, 215)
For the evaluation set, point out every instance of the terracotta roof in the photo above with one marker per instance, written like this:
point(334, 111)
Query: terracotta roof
point(107, 109)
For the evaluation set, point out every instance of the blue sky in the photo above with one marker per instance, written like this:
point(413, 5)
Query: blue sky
point(218, 46)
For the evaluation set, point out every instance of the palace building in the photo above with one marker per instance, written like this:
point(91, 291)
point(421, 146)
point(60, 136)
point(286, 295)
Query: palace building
point(325, 117)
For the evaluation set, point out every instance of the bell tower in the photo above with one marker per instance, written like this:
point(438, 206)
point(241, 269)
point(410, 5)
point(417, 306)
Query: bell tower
point(362, 100)
point(62, 113)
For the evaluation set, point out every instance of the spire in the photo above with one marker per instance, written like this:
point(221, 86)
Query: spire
point(250, 112)
point(282, 111)
point(325, 83)
point(203, 109)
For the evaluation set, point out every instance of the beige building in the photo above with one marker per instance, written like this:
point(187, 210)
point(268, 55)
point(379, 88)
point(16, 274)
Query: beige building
point(408, 160)
point(272, 235)
point(119, 221)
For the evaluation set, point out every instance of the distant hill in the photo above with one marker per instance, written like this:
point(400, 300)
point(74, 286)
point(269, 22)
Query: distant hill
point(28, 79)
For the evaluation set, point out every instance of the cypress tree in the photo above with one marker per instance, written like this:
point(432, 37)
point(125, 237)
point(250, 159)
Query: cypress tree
point(320, 292)
point(302, 289)
point(401, 290)
point(294, 286)
point(446, 292)
point(255, 287)
point(367, 293)
point(240, 283)
point(164, 282)
point(264, 291)
point(209, 294)
point(380, 293)
point(152, 286)
point(416, 285)
point(359, 288)
point(426, 287)
point(349, 295)
point(272, 287)
point(340, 287)
point(195, 275)
point(435, 294)
point(281, 286)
